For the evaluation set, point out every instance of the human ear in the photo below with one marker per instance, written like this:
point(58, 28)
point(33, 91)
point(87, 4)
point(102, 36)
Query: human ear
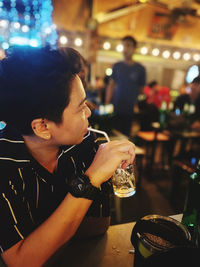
point(40, 128)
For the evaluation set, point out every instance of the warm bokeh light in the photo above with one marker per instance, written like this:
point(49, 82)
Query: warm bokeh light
point(176, 55)
point(144, 50)
point(63, 39)
point(155, 52)
point(196, 57)
point(78, 42)
point(106, 46)
point(186, 56)
point(119, 48)
point(166, 54)
point(108, 71)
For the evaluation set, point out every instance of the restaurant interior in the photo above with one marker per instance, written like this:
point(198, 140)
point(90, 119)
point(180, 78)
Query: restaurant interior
point(167, 32)
point(168, 47)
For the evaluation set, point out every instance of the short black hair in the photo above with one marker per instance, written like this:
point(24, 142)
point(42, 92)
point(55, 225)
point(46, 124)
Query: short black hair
point(196, 80)
point(131, 39)
point(35, 83)
point(152, 84)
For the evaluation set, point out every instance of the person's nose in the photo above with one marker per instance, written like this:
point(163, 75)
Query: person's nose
point(88, 112)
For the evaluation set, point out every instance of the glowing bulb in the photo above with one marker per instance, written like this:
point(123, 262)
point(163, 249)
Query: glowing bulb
point(196, 57)
point(144, 50)
point(16, 25)
point(78, 42)
point(166, 54)
point(176, 55)
point(155, 52)
point(3, 23)
point(186, 56)
point(106, 46)
point(108, 71)
point(63, 39)
point(119, 48)
point(25, 28)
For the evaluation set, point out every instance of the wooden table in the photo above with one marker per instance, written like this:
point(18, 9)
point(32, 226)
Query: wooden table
point(109, 250)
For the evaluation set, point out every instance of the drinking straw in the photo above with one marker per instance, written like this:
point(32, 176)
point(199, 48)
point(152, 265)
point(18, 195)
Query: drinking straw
point(100, 132)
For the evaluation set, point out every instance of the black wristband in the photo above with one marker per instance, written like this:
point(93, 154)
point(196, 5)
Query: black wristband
point(81, 187)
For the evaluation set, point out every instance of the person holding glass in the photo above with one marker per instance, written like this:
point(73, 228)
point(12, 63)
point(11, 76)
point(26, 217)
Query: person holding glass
point(52, 171)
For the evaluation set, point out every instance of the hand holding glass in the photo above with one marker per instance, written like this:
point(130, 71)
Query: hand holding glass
point(123, 180)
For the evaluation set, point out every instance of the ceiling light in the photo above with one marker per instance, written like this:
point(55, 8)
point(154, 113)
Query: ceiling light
point(78, 42)
point(155, 52)
point(119, 48)
point(196, 57)
point(176, 55)
point(144, 50)
point(108, 71)
point(166, 54)
point(63, 39)
point(106, 46)
point(187, 56)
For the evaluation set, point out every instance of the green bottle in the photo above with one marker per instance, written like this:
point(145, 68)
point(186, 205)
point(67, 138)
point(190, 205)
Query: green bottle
point(191, 213)
point(162, 111)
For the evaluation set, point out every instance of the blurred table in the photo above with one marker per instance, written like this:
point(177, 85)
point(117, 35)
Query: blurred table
point(109, 250)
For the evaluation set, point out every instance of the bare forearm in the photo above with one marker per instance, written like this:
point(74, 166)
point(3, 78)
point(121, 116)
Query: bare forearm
point(52, 234)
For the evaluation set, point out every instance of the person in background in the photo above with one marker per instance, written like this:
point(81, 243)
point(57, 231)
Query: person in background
point(149, 91)
point(51, 169)
point(127, 80)
point(191, 98)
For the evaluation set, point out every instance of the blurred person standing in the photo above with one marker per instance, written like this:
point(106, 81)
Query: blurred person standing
point(127, 80)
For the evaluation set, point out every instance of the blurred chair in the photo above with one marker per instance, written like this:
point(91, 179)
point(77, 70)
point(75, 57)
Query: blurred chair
point(151, 139)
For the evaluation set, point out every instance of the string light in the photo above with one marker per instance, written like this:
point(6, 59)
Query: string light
point(155, 52)
point(106, 46)
point(166, 54)
point(176, 55)
point(186, 56)
point(63, 39)
point(196, 57)
point(144, 50)
point(35, 18)
point(78, 42)
point(119, 48)
point(108, 71)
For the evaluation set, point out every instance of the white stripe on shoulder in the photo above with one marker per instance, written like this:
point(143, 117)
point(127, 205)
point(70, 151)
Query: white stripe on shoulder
point(16, 160)
point(11, 141)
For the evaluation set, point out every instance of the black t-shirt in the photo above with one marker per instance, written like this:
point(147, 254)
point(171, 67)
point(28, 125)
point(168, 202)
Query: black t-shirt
point(29, 194)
